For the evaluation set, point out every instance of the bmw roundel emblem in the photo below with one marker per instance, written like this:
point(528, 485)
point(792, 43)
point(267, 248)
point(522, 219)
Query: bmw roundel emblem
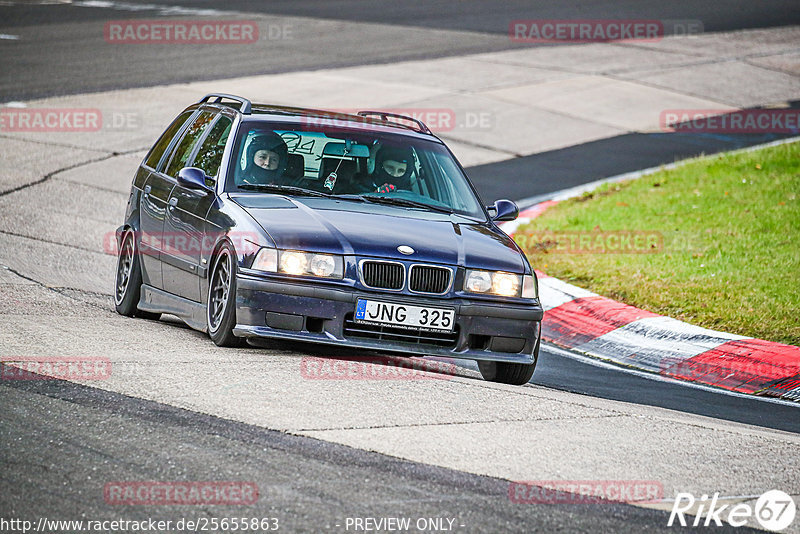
point(405, 249)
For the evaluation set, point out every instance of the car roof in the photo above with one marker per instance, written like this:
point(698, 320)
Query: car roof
point(375, 121)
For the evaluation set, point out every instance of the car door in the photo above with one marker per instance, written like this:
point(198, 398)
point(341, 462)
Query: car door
point(186, 210)
point(153, 205)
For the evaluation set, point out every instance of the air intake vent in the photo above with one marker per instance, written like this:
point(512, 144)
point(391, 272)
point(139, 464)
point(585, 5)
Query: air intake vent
point(383, 275)
point(429, 279)
point(403, 335)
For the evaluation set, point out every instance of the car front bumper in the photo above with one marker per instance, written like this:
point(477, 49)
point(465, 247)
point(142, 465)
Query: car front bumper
point(312, 313)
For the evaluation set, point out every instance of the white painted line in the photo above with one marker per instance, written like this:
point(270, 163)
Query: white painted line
point(163, 10)
point(554, 292)
point(658, 378)
point(9, 37)
point(655, 343)
point(511, 226)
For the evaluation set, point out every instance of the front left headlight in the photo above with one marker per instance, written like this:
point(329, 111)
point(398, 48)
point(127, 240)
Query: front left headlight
point(298, 263)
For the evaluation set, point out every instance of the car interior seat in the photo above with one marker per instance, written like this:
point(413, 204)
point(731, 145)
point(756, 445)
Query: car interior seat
point(295, 167)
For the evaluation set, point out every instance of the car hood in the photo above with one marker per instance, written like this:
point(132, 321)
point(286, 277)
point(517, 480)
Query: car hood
point(371, 230)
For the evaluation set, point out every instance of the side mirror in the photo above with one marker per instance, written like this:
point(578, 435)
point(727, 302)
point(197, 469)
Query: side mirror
point(504, 210)
point(192, 178)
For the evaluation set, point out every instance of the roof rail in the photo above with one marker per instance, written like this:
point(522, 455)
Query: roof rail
point(246, 104)
point(384, 116)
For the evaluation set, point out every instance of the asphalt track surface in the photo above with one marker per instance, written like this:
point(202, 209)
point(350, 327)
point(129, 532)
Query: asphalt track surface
point(102, 435)
point(61, 49)
point(584, 163)
point(309, 485)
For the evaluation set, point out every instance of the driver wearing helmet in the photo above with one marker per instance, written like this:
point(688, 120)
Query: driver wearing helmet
point(393, 168)
point(267, 158)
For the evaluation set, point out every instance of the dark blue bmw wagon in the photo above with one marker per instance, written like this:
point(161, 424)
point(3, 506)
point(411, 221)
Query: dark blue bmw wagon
point(259, 221)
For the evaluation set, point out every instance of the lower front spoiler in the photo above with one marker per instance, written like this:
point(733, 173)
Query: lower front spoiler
point(317, 314)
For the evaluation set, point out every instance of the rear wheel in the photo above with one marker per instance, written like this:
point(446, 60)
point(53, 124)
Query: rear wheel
point(515, 374)
point(129, 277)
point(221, 307)
point(129, 280)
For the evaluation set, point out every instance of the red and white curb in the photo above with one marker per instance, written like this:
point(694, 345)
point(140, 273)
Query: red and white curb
point(609, 330)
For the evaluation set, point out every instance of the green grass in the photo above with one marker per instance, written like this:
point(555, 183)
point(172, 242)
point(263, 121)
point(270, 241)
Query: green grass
point(730, 258)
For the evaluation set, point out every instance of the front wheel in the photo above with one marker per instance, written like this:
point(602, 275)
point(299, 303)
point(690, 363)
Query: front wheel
point(221, 307)
point(515, 374)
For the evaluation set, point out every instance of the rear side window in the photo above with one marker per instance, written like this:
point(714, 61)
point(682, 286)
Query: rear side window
point(186, 145)
point(209, 157)
point(163, 142)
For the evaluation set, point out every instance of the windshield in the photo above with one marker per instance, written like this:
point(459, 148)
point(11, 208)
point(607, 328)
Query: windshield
point(297, 160)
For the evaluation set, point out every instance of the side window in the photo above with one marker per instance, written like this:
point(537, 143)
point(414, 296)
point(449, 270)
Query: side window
point(209, 157)
point(184, 149)
point(163, 142)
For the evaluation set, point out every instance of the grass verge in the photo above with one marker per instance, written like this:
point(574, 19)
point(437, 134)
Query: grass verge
point(715, 242)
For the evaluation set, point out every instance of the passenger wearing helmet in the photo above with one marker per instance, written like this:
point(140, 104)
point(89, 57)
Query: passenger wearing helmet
point(267, 158)
point(393, 168)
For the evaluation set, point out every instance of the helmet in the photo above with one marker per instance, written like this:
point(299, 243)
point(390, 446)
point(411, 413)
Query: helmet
point(266, 141)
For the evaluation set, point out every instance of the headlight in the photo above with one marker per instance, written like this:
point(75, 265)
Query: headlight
point(322, 265)
point(494, 283)
point(295, 262)
point(478, 281)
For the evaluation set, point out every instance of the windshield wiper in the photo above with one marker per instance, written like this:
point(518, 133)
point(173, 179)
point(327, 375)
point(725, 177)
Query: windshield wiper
point(289, 189)
point(292, 190)
point(405, 202)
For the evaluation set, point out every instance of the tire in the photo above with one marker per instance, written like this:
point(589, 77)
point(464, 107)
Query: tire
point(515, 374)
point(221, 305)
point(128, 282)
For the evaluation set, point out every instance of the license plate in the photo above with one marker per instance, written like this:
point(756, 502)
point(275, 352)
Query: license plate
point(404, 315)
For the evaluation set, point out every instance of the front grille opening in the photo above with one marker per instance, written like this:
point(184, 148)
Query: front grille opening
point(403, 335)
point(429, 279)
point(383, 275)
